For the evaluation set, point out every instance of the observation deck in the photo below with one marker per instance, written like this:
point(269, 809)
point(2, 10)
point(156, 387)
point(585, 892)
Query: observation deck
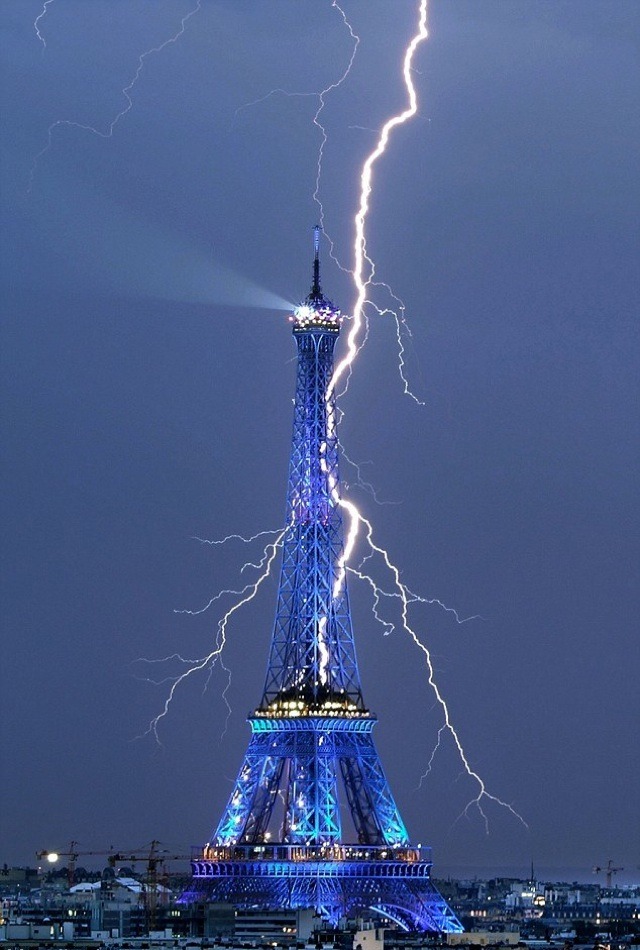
point(340, 880)
point(301, 703)
point(316, 316)
point(315, 853)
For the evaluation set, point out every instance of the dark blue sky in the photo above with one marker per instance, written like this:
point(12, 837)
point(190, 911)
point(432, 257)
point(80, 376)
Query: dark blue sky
point(147, 400)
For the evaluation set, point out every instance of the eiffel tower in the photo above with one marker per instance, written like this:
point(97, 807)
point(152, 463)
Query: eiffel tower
point(280, 842)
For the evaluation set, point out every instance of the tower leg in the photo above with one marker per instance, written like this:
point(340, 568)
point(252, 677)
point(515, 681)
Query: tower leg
point(372, 805)
point(250, 804)
point(313, 813)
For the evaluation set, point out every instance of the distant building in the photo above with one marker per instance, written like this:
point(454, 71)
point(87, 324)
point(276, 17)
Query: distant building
point(23, 877)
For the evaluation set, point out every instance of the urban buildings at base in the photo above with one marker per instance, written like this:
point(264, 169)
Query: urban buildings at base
point(104, 910)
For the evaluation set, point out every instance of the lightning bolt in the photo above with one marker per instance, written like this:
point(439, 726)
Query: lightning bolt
point(363, 278)
point(402, 330)
point(208, 661)
point(411, 598)
point(320, 109)
point(107, 133)
point(321, 97)
point(159, 661)
point(406, 597)
point(361, 258)
point(399, 314)
point(362, 482)
point(363, 275)
point(239, 537)
point(36, 23)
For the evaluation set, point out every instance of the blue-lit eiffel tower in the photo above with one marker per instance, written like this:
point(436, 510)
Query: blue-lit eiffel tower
point(280, 842)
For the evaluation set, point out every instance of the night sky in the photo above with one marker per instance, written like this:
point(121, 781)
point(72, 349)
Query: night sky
point(148, 374)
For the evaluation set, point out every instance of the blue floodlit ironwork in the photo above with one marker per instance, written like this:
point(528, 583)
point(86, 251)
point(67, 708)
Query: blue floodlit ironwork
point(280, 842)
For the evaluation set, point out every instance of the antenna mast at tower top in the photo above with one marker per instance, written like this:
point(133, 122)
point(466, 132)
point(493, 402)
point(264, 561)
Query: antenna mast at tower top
point(316, 291)
point(316, 311)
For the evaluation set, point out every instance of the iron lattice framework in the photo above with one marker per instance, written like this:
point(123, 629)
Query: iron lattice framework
point(280, 841)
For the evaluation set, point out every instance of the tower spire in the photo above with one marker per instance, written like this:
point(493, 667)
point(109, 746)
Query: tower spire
point(316, 312)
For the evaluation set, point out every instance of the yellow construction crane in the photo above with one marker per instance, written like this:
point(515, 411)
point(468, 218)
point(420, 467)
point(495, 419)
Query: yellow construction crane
point(152, 855)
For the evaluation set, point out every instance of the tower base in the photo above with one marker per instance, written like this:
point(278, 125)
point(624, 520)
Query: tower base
point(397, 890)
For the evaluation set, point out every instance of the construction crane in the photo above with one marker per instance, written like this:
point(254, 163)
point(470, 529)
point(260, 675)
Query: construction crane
point(72, 854)
point(609, 871)
point(155, 858)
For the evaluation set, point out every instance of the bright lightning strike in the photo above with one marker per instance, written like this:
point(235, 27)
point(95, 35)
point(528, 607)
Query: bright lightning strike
point(363, 281)
point(406, 597)
point(361, 258)
point(107, 133)
point(398, 314)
